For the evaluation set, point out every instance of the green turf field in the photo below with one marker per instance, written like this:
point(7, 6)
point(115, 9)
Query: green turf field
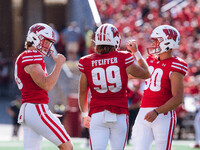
point(80, 143)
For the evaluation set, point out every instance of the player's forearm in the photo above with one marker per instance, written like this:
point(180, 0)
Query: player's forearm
point(143, 64)
point(83, 105)
point(39, 76)
point(82, 100)
point(83, 93)
point(52, 78)
point(177, 90)
point(173, 103)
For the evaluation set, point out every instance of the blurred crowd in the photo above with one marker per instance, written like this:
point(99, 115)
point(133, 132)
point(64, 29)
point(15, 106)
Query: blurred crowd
point(137, 18)
point(5, 77)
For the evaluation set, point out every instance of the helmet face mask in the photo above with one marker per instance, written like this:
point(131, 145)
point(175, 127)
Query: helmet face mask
point(155, 48)
point(45, 47)
point(107, 34)
point(38, 34)
point(164, 38)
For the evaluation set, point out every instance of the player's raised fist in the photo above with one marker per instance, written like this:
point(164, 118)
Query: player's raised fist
point(59, 59)
point(131, 45)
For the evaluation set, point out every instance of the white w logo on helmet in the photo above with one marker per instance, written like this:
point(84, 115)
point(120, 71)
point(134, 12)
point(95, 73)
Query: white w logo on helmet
point(164, 37)
point(37, 33)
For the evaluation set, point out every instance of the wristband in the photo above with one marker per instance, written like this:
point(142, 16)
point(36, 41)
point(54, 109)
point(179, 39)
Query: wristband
point(84, 114)
point(156, 112)
point(137, 55)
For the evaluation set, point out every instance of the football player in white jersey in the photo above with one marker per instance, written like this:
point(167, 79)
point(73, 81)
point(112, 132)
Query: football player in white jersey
point(34, 83)
point(163, 92)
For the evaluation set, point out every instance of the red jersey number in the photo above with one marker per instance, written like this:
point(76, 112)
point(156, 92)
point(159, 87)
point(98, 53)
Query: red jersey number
point(107, 80)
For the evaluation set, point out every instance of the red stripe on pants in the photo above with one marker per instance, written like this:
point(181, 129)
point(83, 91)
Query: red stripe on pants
point(171, 130)
point(127, 124)
point(45, 122)
point(55, 124)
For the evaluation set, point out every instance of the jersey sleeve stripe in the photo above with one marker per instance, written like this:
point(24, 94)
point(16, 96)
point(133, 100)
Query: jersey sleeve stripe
point(31, 60)
point(31, 56)
point(178, 64)
point(81, 68)
point(182, 69)
point(129, 61)
point(80, 64)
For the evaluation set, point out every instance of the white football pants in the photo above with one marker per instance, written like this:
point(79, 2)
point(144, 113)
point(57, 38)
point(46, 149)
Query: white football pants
point(115, 130)
point(160, 130)
point(197, 127)
point(40, 122)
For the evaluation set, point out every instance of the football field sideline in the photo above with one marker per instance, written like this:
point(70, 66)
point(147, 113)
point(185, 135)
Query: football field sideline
point(7, 143)
point(80, 144)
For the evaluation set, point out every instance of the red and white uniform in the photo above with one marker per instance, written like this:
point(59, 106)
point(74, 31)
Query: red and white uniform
point(31, 92)
point(157, 91)
point(37, 119)
point(159, 84)
point(107, 79)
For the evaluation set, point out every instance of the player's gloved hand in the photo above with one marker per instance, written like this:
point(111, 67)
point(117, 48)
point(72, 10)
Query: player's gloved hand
point(59, 59)
point(150, 116)
point(86, 121)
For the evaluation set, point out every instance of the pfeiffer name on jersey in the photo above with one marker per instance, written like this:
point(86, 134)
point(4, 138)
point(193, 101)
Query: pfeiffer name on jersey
point(107, 61)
